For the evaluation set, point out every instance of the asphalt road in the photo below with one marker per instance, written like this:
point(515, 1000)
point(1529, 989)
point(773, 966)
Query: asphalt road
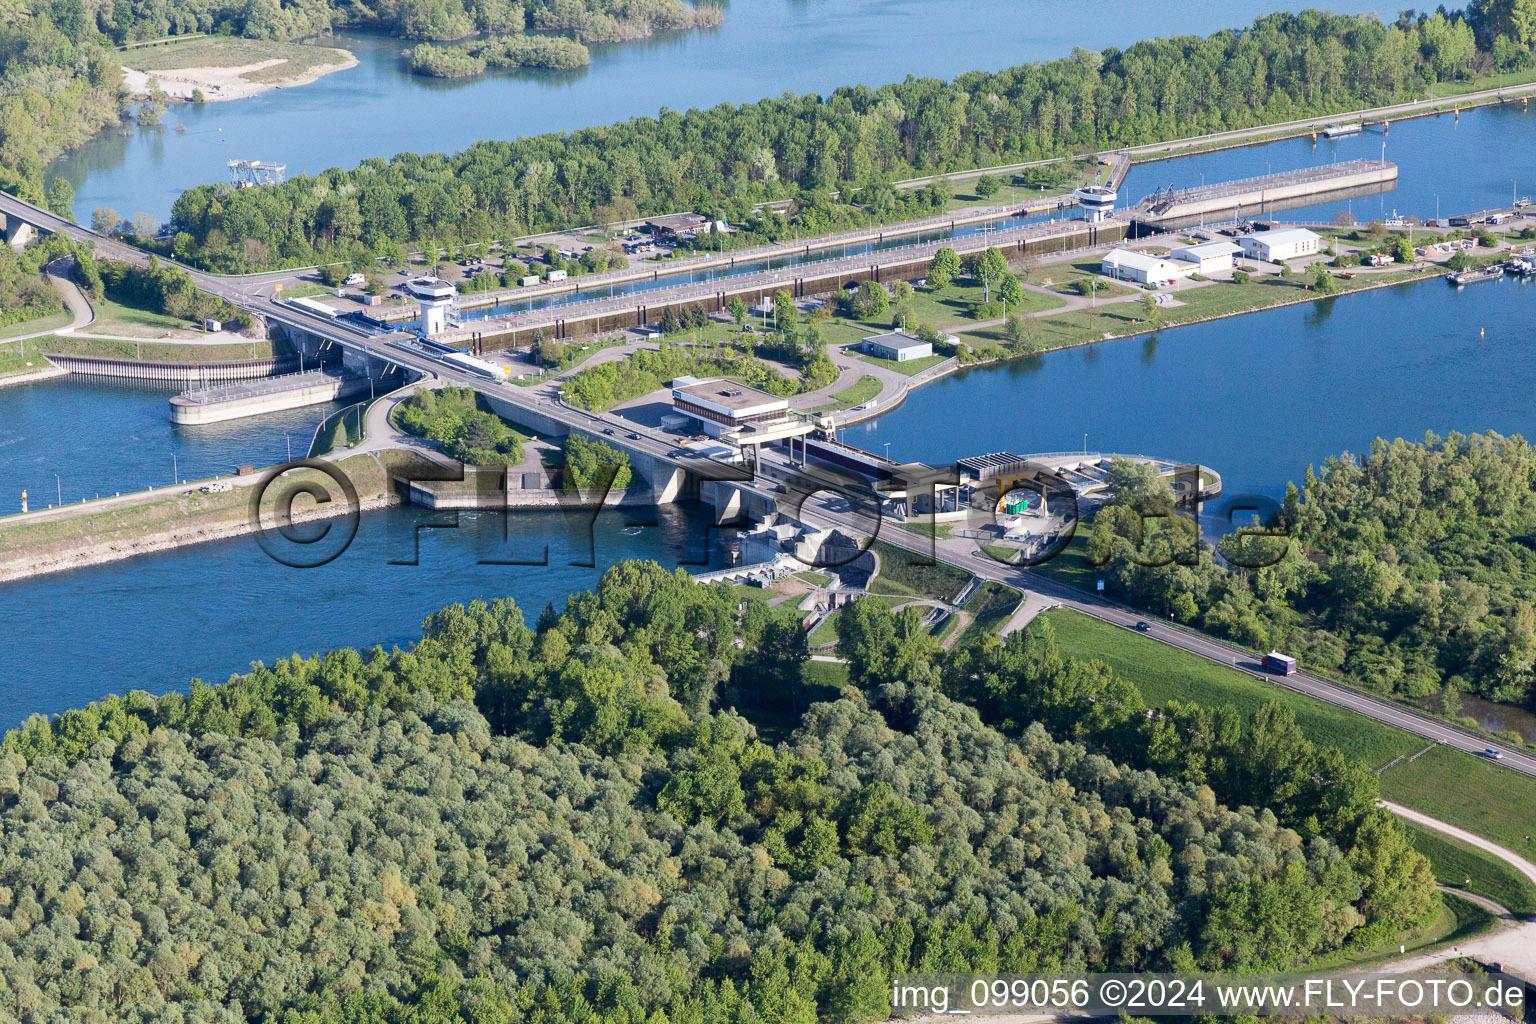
point(962, 553)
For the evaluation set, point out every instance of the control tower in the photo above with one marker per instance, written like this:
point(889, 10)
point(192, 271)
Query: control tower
point(1096, 201)
point(435, 299)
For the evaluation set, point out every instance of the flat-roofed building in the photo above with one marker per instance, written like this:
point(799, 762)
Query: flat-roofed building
point(1208, 257)
point(896, 346)
point(721, 406)
point(676, 224)
point(1143, 268)
point(1281, 244)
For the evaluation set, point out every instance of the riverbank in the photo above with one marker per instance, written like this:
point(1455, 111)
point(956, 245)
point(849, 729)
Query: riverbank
point(218, 68)
point(120, 527)
point(1079, 324)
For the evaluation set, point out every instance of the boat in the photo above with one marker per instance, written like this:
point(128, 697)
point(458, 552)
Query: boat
point(1520, 267)
point(1489, 273)
point(1339, 131)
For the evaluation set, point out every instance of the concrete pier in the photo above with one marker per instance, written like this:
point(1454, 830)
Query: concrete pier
point(252, 398)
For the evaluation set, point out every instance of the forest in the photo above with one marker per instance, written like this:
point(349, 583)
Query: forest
point(580, 820)
point(1408, 569)
point(728, 158)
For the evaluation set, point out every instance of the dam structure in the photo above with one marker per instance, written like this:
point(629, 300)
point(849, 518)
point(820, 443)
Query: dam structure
point(1255, 197)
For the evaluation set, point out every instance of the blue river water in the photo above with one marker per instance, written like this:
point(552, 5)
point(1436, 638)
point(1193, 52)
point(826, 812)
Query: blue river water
point(1438, 159)
point(763, 48)
point(103, 436)
point(1256, 397)
point(159, 620)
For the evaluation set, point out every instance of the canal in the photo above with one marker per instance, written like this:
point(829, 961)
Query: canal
point(80, 437)
point(157, 621)
point(763, 48)
point(1256, 397)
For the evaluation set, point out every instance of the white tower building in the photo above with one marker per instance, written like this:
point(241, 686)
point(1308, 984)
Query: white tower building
point(1096, 202)
point(435, 299)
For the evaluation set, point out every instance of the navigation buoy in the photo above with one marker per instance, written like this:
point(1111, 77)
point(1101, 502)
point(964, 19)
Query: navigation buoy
point(1482, 332)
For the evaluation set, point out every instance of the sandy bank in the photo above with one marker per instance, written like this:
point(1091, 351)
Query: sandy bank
point(229, 83)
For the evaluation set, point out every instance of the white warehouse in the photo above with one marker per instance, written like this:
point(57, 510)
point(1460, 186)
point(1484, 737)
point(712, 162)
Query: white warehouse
point(1281, 244)
point(1130, 265)
point(1208, 257)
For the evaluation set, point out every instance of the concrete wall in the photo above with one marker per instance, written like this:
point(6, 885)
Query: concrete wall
point(1073, 235)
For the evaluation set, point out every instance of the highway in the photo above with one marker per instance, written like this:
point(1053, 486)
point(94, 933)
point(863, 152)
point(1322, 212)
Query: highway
point(827, 510)
point(545, 400)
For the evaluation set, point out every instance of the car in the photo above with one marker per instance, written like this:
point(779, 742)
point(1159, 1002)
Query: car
point(1142, 627)
point(608, 430)
point(1493, 754)
point(633, 436)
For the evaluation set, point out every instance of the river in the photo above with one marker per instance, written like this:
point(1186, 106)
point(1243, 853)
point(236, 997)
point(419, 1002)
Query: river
point(763, 48)
point(75, 438)
point(1257, 397)
point(159, 620)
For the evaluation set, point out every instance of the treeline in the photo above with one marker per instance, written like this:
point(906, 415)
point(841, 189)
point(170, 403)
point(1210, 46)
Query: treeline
point(59, 86)
point(728, 158)
point(596, 20)
point(498, 52)
point(25, 292)
point(161, 288)
point(560, 823)
point(1409, 570)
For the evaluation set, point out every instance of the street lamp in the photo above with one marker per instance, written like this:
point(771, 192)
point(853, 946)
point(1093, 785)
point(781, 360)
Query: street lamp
point(60, 485)
point(887, 451)
point(1085, 443)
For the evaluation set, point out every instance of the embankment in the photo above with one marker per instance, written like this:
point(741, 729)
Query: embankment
point(112, 529)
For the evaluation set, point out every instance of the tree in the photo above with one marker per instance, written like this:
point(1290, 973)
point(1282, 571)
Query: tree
point(1150, 310)
point(104, 220)
point(990, 268)
point(738, 310)
point(61, 198)
point(987, 186)
point(1021, 333)
point(1323, 282)
point(943, 268)
point(144, 225)
point(870, 301)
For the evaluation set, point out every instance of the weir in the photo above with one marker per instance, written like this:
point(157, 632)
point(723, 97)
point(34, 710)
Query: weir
point(272, 394)
point(1162, 210)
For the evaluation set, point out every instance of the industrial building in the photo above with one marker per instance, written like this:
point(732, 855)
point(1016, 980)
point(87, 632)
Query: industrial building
point(1208, 257)
point(897, 346)
point(1280, 244)
point(1130, 265)
point(722, 406)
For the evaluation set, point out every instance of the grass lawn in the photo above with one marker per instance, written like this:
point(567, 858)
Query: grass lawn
point(163, 352)
point(1455, 787)
point(825, 673)
point(116, 318)
point(901, 572)
point(51, 322)
point(230, 52)
point(991, 607)
point(940, 530)
point(858, 394)
point(1467, 791)
point(1164, 673)
point(909, 367)
point(1455, 862)
point(1071, 565)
